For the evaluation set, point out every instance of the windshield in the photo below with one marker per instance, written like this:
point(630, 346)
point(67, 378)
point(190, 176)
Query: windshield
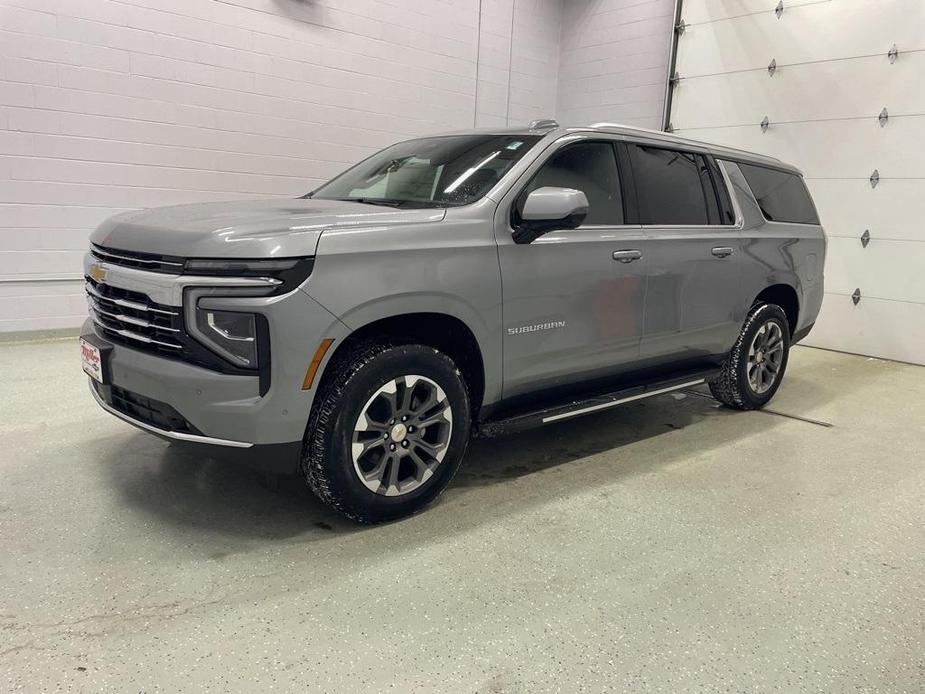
point(430, 172)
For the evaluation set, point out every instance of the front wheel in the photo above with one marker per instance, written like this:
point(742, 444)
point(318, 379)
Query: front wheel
point(387, 432)
point(754, 368)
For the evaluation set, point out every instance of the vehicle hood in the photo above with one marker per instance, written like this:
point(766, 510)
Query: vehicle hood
point(246, 229)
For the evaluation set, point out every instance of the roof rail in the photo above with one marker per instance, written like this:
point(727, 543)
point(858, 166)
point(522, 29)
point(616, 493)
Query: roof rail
point(543, 124)
point(627, 127)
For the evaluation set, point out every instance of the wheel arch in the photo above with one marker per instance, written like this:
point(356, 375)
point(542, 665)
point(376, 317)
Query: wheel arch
point(442, 331)
point(785, 296)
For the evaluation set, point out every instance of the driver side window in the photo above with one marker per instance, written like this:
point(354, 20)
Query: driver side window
point(590, 167)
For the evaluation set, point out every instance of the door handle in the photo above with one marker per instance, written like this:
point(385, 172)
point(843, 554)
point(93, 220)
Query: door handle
point(627, 256)
point(723, 251)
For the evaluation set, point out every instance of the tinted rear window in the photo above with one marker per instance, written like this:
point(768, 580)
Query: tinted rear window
point(669, 186)
point(782, 196)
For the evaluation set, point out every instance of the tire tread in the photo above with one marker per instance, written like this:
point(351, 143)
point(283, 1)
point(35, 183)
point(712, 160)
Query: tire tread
point(728, 387)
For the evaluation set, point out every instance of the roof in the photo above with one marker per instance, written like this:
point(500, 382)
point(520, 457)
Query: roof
point(550, 127)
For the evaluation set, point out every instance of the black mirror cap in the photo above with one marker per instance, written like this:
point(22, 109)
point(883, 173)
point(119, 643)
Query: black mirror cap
point(529, 231)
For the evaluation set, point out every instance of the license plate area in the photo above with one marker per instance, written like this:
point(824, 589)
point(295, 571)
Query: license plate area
point(94, 358)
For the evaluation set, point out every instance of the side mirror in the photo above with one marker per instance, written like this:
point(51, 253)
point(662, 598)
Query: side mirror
point(549, 208)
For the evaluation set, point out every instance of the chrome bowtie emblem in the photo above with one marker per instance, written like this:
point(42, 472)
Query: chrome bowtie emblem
point(98, 273)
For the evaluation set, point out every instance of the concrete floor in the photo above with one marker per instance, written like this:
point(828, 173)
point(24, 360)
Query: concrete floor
point(668, 545)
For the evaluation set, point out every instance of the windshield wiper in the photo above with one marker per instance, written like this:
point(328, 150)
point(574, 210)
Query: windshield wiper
point(384, 202)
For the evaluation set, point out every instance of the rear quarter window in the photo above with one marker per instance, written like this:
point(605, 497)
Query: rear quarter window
point(782, 196)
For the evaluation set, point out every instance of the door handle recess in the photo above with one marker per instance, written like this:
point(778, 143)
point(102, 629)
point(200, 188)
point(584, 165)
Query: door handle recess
point(723, 251)
point(627, 256)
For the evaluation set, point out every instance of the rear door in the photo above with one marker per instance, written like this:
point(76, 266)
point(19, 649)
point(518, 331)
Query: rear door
point(693, 309)
point(572, 311)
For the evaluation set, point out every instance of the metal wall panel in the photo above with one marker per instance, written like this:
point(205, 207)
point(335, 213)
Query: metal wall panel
point(884, 270)
point(701, 11)
point(888, 329)
point(894, 210)
point(821, 31)
point(815, 91)
point(834, 149)
point(832, 79)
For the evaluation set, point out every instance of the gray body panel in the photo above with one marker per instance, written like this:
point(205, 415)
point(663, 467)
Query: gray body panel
point(245, 229)
point(557, 311)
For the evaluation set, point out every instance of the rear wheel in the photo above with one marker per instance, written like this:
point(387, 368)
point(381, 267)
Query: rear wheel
point(387, 432)
point(754, 368)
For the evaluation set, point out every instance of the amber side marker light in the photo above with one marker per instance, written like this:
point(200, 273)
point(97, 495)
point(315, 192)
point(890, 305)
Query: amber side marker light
point(316, 362)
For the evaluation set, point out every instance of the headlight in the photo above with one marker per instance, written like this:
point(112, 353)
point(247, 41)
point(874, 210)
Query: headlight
point(232, 335)
point(238, 337)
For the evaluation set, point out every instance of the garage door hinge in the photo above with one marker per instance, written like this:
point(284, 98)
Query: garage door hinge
point(670, 128)
point(856, 297)
point(779, 10)
point(764, 124)
point(675, 78)
point(874, 178)
point(865, 238)
point(883, 117)
point(772, 67)
point(893, 54)
point(680, 27)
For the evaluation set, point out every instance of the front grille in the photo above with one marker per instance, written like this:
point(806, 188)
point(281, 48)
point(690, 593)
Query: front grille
point(158, 414)
point(131, 318)
point(142, 261)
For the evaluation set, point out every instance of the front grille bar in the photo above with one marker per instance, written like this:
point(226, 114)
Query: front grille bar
point(134, 321)
point(128, 334)
point(106, 255)
point(126, 303)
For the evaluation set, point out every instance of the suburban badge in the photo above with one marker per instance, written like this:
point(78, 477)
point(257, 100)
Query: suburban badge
point(553, 325)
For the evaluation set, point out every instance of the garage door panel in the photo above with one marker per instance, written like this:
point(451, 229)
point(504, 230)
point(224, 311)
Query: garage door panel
point(885, 269)
point(813, 32)
point(893, 210)
point(834, 149)
point(803, 92)
point(886, 329)
point(700, 11)
point(833, 78)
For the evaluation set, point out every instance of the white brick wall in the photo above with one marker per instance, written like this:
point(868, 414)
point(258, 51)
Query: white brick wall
point(107, 105)
point(614, 61)
point(518, 61)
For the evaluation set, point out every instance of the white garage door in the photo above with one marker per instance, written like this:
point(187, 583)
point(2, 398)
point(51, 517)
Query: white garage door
point(832, 76)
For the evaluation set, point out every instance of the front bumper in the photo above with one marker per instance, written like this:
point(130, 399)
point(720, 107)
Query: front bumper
point(227, 415)
point(282, 458)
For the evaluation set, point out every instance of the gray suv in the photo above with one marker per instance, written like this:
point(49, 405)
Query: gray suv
point(483, 281)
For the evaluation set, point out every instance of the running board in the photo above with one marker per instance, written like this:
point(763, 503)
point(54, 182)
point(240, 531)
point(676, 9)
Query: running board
point(595, 403)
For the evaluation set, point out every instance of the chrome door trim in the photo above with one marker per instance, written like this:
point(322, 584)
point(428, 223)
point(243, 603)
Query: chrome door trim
point(614, 403)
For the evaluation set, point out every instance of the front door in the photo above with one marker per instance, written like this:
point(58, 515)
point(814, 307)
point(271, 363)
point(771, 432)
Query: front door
point(573, 299)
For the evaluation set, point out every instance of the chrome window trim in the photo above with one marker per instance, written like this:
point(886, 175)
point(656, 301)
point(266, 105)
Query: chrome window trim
point(561, 140)
point(164, 432)
point(799, 224)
